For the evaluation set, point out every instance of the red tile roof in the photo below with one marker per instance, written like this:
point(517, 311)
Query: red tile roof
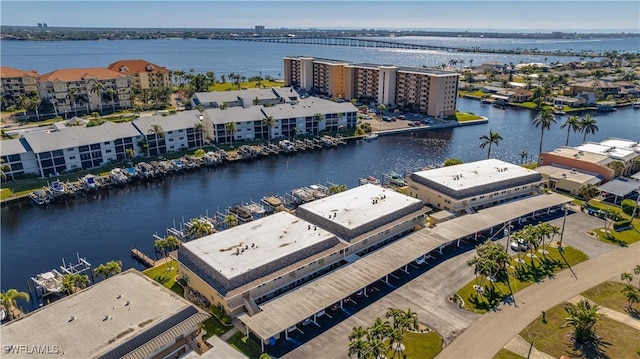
point(68, 75)
point(11, 72)
point(136, 66)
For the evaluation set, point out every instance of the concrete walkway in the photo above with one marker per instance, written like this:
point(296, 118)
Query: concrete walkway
point(492, 331)
point(521, 347)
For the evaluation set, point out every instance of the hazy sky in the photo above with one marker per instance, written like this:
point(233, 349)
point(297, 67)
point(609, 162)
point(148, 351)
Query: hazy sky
point(426, 14)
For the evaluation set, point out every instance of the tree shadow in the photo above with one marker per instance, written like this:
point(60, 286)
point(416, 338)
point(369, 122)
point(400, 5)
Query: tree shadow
point(611, 238)
point(161, 279)
point(633, 312)
point(592, 349)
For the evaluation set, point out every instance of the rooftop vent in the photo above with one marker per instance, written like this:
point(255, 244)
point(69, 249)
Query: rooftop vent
point(106, 317)
point(127, 303)
point(118, 296)
point(72, 318)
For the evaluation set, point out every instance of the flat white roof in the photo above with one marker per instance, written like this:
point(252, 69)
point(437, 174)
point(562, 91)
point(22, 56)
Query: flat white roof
point(474, 174)
point(89, 334)
point(611, 151)
point(569, 174)
point(264, 241)
point(585, 156)
point(620, 143)
point(355, 207)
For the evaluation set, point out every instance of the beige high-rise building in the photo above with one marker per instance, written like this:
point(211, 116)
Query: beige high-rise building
point(429, 91)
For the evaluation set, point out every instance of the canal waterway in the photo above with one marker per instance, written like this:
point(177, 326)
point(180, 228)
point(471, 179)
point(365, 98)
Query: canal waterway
point(105, 227)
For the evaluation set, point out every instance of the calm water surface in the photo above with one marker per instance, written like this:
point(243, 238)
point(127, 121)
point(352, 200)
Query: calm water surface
point(105, 228)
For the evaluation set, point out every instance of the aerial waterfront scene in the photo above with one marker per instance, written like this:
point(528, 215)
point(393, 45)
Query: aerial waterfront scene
point(275, 179)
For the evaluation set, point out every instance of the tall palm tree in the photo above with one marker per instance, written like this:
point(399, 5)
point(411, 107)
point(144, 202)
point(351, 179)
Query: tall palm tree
point(618, 167)
point(3, 167)
point(231, 128)
point(97, 89)
point(157, 130)
point(381, 108)
point(199, 228)
point(111, 92)
point(72, 99)
point(270, 122)
point(588, 125)
point(198, 129)
point(23, 104)
point(523, 156)
point(492, 138)
point(9, 300)
point(358, 346)
point(108, 269)
point(572, 123)
point(627, 277)
point(583, 317)
point(317, 117)
point(35, 103)
point(632, 294)
point(588, 191)
point(544, 121)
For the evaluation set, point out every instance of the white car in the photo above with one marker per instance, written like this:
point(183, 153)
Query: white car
point(519, 245)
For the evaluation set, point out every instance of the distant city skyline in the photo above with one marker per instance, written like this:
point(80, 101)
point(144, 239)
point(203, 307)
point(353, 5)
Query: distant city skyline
point(473, 15)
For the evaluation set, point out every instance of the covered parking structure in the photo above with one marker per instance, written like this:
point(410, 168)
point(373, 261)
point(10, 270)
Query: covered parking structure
point(309, 301)
point(620, 188)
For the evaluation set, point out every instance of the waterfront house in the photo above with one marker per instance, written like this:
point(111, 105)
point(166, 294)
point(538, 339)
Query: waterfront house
point(176, 132)
point(492, 67)
point(144, 74)
point(126, 316)
point(76, 147)
point(17, 82)
point(516, 94)
point(568, 180)
point(85, 90)
point(603, 87)
point(245, 98)
point(561, 101)
point(468, 187)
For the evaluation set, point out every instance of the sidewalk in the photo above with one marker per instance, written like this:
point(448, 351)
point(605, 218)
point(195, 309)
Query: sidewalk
point(521, 347)
point(612, 314)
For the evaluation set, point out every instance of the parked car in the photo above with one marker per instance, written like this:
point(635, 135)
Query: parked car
point(519, 245)
point(401, 117)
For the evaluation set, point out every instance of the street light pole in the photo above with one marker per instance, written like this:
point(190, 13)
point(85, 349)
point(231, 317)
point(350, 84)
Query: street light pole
point(564, 220)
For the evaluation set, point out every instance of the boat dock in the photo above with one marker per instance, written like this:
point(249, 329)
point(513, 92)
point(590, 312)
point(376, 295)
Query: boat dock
point(142, 258)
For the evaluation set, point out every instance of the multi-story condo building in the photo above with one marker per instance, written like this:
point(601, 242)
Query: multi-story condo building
point(18, 159)
point(85, 90)
point(79, 147)
point(468, 187)
point(245, 98)
point(309, 116)
point(144, 74)
point(172, 133)
point(429, 91)
point(15, 83)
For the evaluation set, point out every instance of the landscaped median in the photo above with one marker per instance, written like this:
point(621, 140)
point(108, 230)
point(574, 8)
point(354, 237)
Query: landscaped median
point(608, 233)
point(484, 294)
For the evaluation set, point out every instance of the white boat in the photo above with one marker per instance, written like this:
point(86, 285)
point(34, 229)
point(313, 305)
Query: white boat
point(89, 183)
point(318, 191)
point(50, 282)
point(370, 179)
point(118, 176)
point(3, 314)
point(40, 197)
point(303, 194)
point(273, 201)
point(396, 179)
point(371, 137)
point(57, 188)
point(636, 105)
point(287, 146)
point(256, 209)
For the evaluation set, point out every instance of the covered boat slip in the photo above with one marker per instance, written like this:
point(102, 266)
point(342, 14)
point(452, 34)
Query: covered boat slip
point(304, 302)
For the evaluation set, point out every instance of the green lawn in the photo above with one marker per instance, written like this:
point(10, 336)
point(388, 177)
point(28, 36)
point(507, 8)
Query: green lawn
point(463, 116)
point(421, 345)
point(214, 327)
point(245, 345)
point(507, 354)
point(477, 93)
point(229, 86)
point(522, 275)
point(552, 338)
point(529, 105)
point(5, 193)
point(608, 294)
point(165, 276)
point(623, 238)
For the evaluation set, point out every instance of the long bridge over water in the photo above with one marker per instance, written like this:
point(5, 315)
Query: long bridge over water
point(388, 44)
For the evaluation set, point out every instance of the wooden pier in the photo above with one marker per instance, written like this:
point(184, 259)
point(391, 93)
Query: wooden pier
point(142, 258)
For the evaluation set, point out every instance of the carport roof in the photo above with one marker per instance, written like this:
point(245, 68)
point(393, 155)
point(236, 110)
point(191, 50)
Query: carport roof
point(620, 186)
point(301, 303)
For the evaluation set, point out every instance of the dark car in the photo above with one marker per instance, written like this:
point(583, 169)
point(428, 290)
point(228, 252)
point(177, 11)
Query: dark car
point(401, 117)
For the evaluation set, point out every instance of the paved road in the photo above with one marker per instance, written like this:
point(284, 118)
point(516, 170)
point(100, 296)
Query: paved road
point(487, 335)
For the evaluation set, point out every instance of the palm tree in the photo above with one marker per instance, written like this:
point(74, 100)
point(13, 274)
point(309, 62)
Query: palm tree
point(34, 104)
point(199, 228)
point(572, 123)
point(97, 89)
point(492, 138)
point(544, 121)
point(111, 92)
point(381, 108)
point(231, 128)
point(198, 129)
point(72, 99)
point(523, 156)
point(3, 167)
point(618, 167)
point(230, 220)
point(270, 122)
point(626, 276)
point(588, 125)
point(632, 294)
point(23, 104)
point(588, 191)
point(357, 344)
point(108, 269)
point(583, 317)
point(72, 282)
point(9, 300)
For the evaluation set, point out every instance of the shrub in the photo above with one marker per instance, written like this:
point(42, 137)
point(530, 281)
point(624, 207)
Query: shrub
point(628, 205)
point(221, 314)
point(619, 225)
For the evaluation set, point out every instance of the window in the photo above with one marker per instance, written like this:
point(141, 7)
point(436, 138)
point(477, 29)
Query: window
point(107, 151)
